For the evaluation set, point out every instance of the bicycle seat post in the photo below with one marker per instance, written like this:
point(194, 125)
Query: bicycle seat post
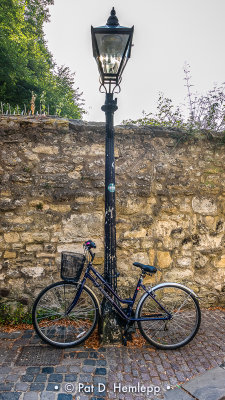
point(142, 276)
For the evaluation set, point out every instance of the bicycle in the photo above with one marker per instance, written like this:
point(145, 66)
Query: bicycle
point(66, 313)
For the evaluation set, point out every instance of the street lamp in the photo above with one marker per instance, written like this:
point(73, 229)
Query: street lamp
point(111, 49)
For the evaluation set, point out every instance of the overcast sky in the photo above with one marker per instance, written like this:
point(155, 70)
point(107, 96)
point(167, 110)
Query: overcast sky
point(167, 33)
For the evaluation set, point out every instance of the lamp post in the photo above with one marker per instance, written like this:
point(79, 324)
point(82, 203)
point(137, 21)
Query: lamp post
point(111, 49)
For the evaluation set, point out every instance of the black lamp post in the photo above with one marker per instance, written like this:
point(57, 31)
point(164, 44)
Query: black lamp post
point(111, 49)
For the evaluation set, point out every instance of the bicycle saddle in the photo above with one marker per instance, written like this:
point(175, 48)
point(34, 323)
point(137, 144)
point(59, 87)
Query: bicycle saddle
point(146, 268)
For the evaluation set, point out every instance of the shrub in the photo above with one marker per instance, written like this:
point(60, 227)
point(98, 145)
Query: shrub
point(206, 113)
point(14, 314)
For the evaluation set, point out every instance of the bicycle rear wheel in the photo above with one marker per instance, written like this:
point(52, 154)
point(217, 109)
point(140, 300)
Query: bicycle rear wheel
point(51, 322)
point(181, 303)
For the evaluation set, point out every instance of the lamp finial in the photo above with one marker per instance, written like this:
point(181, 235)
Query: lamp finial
point(113, 20)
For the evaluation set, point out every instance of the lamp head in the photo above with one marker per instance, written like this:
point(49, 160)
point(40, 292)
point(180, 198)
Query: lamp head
point(112, 49)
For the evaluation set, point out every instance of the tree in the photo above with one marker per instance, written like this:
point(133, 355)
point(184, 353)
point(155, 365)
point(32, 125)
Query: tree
point(60, 95)
point(27, 66)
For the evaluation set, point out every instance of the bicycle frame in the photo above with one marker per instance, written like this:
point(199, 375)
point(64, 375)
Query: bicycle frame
point(129, 302)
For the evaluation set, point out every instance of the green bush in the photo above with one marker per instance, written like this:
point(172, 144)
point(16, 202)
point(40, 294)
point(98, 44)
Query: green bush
point(14, 315)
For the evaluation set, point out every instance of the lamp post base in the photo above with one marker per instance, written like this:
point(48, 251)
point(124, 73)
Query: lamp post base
point(110, 329)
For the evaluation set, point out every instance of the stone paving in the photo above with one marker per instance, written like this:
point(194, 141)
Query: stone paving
point(31, 370)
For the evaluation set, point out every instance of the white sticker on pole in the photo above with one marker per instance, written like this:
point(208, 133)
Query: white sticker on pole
point(111, 187)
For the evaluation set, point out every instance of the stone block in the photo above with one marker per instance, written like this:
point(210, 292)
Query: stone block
point(200, 260)
point(61, 208)
point(17, 246)
point(61, 124)
point(35, 237)
point(33, 272)
point(81, 226)
point(21, 220)
point(85, 199)
point(26, 237)
point(46, 255)
point(74, 247)
point(11, 237)
point(9, 254)
point(46, 149)
point(163, 228)
point(177, 394)
point(205, 206)
point(40, 237)
point(210, 242)
point(47, 396)
point(97, 149)
point(135, 234)
point(2, 243)
point(35, 203)
point(164, 259)
point(221, 262)
point(7, 204)
point(185, 205)
point(208, 386)
point(6, 193)
point(31, 156)
point(179, 275)
point(74, 175)
point(184, 261)
point(34, 247)
point(98, 261)
point(138, 257)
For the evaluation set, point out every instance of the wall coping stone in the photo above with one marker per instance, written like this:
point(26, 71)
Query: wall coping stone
point(14, 122)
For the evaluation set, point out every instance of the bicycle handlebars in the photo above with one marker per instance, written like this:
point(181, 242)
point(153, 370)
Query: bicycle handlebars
point(89, 244)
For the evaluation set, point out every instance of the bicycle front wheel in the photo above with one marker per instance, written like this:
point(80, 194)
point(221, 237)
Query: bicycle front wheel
point(185, 313)
point(51, 322)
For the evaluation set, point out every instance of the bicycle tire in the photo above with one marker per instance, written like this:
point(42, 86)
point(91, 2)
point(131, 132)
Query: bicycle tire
point(186, 316)
point(50, 321)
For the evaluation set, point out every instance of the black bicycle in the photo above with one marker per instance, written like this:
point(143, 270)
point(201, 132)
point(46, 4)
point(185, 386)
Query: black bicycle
point(66, 313)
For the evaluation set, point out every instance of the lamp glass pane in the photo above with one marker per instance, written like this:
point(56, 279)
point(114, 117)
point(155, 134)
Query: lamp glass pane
point(124, 61)
point(111, 49)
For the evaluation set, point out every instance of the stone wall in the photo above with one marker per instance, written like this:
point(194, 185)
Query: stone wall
point(170, 204)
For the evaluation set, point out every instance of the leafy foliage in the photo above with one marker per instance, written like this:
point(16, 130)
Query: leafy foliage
point(14, 316)
point(27, 66)
point(205, 112)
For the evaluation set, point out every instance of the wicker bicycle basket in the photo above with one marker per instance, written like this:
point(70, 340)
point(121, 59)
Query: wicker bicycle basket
point(72, 265)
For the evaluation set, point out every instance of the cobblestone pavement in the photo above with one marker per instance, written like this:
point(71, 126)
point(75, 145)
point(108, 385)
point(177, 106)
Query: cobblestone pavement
point(31, 370)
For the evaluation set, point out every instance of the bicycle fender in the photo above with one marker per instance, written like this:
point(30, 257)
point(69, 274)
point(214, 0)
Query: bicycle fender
point(174, 283)
point(161, 285)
